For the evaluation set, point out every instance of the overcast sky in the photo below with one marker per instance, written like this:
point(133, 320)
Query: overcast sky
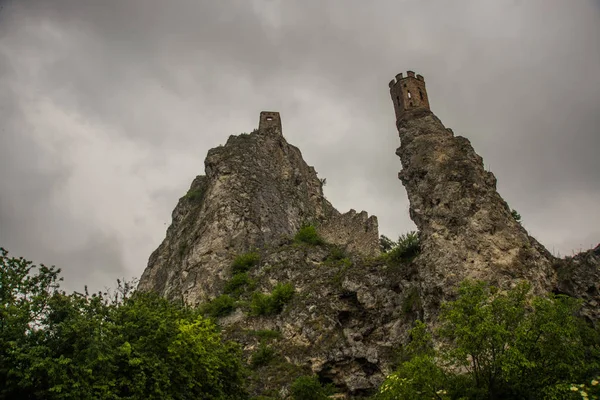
point(108, 108)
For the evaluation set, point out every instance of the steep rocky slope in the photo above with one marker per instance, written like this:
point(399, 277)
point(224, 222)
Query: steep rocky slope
point(466, 228)
point(257, 191)
point(351, 309)
point(579, 276)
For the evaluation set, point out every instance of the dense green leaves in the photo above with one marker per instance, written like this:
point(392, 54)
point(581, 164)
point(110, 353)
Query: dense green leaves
point(309, 388)
point(128, 346)
point(308, 234)
point(499, 345)
point(270, 304)
point(405, 249)
point(244, 262)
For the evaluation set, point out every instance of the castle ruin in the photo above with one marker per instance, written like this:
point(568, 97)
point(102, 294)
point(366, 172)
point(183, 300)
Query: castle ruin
point(269, 119)
point(408, 93)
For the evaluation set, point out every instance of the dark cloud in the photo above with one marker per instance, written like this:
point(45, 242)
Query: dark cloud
point(108, 108)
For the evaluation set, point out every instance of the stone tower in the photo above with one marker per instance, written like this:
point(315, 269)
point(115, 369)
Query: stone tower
point(408, 93)
point(269, 119)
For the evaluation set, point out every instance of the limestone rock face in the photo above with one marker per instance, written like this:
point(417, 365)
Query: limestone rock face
point(346, 321)
point(257, 191)
point(466, 228)
point(351, 310)
point(579, 276)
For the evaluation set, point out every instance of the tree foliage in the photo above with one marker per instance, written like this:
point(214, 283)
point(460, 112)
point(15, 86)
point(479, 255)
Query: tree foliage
point(309, 388)
point(405, 249)
point(127, 345)
point(500, 345)
point(308, 234)
point(271, 304)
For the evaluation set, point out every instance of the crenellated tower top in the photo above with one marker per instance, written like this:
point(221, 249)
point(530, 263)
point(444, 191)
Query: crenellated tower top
point(408, 93)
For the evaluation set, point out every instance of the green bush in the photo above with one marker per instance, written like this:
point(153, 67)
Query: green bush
point(55, 345)
point(516, 215)
point(262, 356)
point(309, 388)
point(218, 307)
point(411, 302)
point(194, 195)
point(407, 248)
point(236, 285)
point(308, 234)
point(386, 244)
point(264, 304)
point(509, 345)
point(244, 262)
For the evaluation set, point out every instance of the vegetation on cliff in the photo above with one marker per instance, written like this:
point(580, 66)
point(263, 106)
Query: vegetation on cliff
point(500, 345)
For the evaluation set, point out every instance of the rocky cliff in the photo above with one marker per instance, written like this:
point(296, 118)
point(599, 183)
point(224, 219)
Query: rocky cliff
point(338, 308)
point(466, 228)
point(257, 191)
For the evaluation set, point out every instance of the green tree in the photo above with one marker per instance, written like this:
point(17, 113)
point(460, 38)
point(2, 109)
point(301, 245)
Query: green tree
point(500, 345)
point(405, 249)
point(309, 388)
point(419, 377)
point(308, 234)
point(516, 215)
point(123, 346)
point(386, 244)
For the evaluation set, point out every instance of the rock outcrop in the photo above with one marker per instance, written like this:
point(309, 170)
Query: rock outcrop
point(579, 276)
point(257, 192)
point(466, 228)
point(352, 309)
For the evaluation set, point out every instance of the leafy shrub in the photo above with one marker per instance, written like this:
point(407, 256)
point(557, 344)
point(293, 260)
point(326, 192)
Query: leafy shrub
point(262, 356)
point(244, 262)
point(55, 345)
point(309, 388)
point(194, 195)
point(336, 253)
point(264, 304)
point(386, 244)
point(508, 345)
point(308, 234)
point(236, 285)
point(411, 302)
point(218, 307)
point(407, 247)
point(338, 258)
point(516, 215)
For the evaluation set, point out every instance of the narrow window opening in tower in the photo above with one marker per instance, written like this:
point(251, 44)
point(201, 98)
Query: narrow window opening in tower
point(398, 99)
point(409, 95)
point(411, 104)
point(269, 118)
point(421, 94)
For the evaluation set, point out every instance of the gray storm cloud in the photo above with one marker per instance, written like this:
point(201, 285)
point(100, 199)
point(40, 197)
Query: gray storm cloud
point(107, 110)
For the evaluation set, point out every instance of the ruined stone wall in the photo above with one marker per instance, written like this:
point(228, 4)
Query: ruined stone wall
point(357, 233)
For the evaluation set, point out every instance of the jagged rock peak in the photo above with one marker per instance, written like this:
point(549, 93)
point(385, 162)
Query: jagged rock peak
point(466, 228)
point(257, 192)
